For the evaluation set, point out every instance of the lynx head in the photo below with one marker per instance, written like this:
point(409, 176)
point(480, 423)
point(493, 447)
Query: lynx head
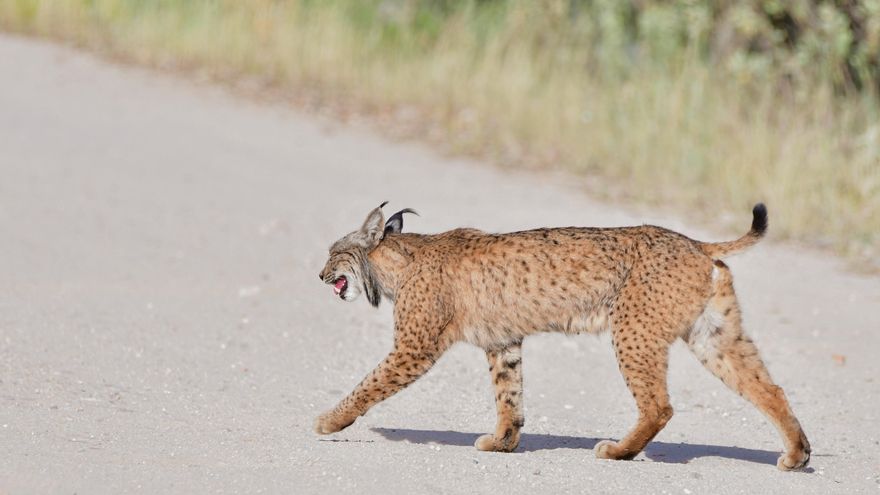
point(348, 269)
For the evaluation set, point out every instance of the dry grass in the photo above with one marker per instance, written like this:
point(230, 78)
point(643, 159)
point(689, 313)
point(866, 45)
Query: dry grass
point(516, 87)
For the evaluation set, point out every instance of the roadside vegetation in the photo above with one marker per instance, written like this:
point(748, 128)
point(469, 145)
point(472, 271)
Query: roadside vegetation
point(703, 105)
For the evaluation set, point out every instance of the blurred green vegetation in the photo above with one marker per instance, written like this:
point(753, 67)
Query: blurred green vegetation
point(805, 42)
point(713, 105)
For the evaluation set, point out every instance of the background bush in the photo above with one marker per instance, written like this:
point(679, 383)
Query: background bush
point(709, 106)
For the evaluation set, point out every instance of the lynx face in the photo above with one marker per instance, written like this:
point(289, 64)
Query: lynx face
point(348, 269)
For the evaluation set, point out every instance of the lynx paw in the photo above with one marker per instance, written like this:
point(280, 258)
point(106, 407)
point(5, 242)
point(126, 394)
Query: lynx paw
point(488, 443)
point(609, 449)
point(793, 461)
point(605, 449)
point(330, 422)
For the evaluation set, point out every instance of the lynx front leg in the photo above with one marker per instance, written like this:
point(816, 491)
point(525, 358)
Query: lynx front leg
point(506, 368)
point(394, 373)
point(418, 343)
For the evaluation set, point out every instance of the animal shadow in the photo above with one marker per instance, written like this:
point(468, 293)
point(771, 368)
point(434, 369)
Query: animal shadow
point(676, 453)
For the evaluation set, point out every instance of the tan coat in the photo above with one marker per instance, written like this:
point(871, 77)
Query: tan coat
point(647, 285)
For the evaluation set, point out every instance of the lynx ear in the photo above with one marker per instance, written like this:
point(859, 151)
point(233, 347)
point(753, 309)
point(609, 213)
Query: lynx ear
point(395, 224)
point(372, 230)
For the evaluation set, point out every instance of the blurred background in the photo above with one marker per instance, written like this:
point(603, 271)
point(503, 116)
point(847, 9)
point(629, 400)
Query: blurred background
point(708, 106)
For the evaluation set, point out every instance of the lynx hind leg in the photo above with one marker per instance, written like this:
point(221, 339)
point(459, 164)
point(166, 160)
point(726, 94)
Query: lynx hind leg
point(718, 341)
point(642, 356)
point(506, 368)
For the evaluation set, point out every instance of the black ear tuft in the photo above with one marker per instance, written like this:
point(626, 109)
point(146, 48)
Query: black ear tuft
point(395, 224)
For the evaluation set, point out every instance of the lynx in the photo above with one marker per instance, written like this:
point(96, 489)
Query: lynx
point(646, 285)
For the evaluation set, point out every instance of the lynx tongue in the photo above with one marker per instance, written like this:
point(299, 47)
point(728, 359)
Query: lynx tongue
point(339, 286)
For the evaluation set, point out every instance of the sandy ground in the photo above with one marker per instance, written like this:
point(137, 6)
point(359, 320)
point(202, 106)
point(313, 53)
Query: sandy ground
point(162, 329)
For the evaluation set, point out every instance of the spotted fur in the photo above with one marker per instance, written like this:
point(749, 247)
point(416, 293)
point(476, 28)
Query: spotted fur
point(647, 286)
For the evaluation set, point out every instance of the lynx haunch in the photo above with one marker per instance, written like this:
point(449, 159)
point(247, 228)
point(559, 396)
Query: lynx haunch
point(647, 286)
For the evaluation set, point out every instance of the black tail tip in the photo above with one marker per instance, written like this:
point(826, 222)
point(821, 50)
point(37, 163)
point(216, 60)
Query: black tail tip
point(759, 218)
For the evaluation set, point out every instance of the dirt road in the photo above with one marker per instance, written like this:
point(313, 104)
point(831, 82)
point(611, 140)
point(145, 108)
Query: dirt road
point(162, 329)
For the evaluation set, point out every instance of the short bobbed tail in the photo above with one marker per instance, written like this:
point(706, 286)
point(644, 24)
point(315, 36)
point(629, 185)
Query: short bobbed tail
point(718, 250)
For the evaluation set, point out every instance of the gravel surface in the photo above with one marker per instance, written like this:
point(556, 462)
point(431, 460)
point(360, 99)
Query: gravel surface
point(162, 329)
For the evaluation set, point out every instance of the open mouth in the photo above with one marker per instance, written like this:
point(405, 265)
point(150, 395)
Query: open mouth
point(340, 286)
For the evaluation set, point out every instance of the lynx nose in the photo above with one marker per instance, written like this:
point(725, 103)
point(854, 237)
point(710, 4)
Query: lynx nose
point(321, 276)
